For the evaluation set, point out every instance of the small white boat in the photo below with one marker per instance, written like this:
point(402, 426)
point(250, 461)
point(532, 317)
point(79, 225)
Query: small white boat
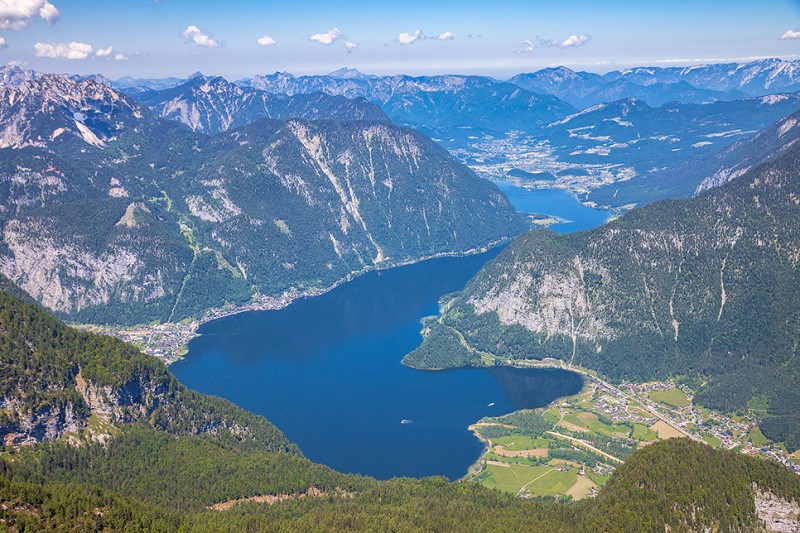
point(490, 405)
point(404, 421)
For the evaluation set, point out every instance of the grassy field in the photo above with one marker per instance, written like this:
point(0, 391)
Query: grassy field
point(585, 421)
point(674, 397)
point(756, 437)
point(644, 433)
point(520, 442)
point(598, 479)
point(552, 416)
point(665, 431)
point(712, 440)
point(97, 426)
point(538, 480)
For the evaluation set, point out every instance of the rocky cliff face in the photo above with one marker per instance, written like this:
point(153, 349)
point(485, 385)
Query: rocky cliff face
point(778, 514)
point(57, 383)
point(40, 110)
point(122, 216)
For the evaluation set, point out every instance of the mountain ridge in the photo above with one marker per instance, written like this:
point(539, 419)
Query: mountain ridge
point(114, 213)
point(706, 284)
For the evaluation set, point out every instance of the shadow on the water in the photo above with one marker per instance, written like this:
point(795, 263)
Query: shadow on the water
point(528, 390)
point(385, 299)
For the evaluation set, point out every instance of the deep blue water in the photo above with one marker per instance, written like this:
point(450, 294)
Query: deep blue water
point(555, 202)
point(327, 372)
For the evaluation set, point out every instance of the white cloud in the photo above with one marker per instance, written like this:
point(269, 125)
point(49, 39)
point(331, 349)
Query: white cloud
point(409, 38)
point(199, 37)
point(3, 42)
point(266, 40)
point(71, 50)
point(791, 34)
point(15, 14)
point(104, 52)
point(120, 57)
point(446, 36)
point(327, 38)
point(573, 41)
point(528, 47)
point(350, 46)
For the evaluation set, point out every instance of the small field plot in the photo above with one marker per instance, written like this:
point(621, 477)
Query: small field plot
point(756, 437)
point(582, 488)
point(665, 431)
point(585, 421)
point(644, 433)
point(673, 397)
point(538, 480)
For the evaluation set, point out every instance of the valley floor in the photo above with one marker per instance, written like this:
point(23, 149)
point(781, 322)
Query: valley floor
point(596, 430)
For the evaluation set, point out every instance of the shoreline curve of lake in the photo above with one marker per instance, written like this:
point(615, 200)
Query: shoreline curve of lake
point(327, 370)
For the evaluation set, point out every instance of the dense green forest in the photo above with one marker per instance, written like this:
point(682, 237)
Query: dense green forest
point(705, 289)
point(153, 456)
point(677, 483)
point(41, 360)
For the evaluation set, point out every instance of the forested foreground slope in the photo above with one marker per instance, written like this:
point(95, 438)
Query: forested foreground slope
point(705, 288)
point(143, 453)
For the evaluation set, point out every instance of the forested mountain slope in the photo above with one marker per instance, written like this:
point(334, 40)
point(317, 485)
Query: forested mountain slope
point(705, 288)
point(113, 214)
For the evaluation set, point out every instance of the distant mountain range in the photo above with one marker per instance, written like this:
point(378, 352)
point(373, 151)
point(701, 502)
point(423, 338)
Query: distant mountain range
point(214, 105)
point(114, 214)
point(442, 106)
point(657, 85)
point(583, 89)
point(637, 126)
point(695, 175)
point(641, 144)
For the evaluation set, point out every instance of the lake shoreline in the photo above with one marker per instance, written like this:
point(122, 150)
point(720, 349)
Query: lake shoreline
point(169, 340)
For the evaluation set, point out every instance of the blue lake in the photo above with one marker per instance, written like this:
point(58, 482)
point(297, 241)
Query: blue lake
point(327, 370)
point(555, 202)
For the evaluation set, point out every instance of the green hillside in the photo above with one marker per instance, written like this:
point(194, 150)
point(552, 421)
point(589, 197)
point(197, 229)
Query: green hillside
point(705, 288)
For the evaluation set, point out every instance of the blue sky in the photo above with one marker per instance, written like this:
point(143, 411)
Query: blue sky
point(498, 38)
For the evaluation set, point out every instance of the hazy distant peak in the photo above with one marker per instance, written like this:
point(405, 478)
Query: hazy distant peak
point(345, 73)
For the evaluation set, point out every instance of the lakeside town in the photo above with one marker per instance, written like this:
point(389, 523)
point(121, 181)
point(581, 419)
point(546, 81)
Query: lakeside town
point(666, 408)
point(594, 431)
point(169, 340)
